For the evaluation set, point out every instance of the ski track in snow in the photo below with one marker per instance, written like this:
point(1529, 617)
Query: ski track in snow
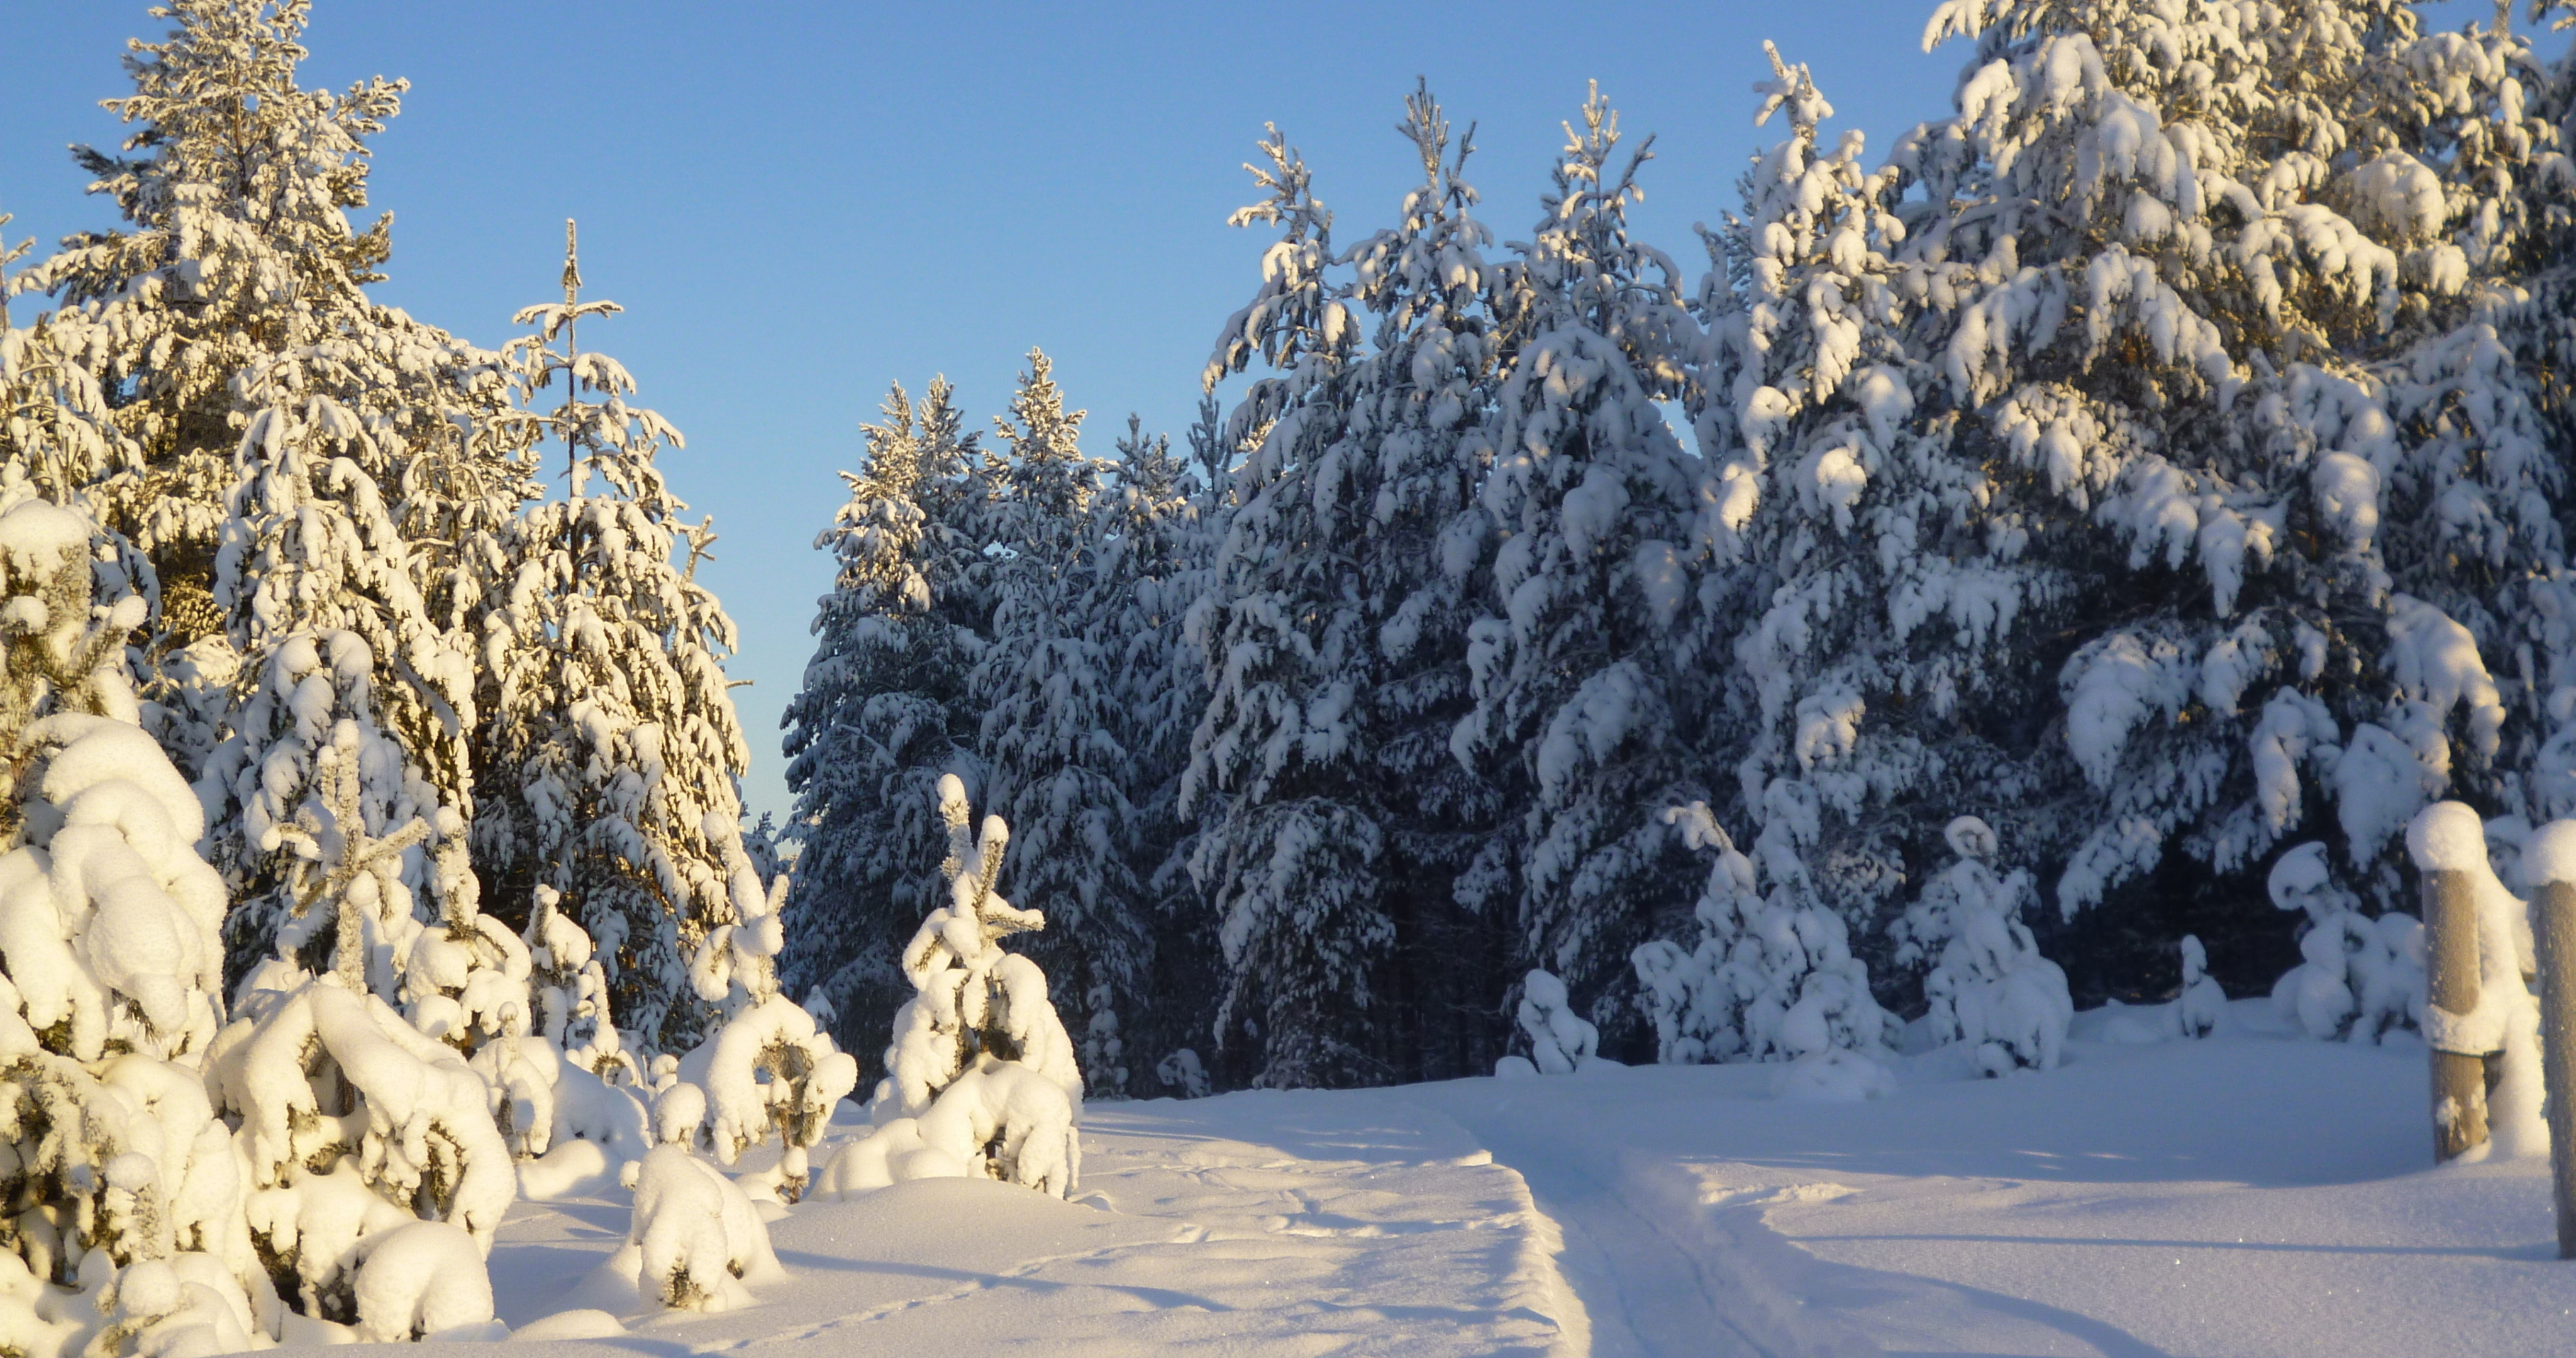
point(2254, 1196)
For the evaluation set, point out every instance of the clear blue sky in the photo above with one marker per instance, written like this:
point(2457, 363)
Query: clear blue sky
point(800, 202)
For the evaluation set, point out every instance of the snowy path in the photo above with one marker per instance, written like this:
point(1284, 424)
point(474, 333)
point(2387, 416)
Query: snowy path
point(2255, 1196)
point(2251, 1197)
point(1256, 1225)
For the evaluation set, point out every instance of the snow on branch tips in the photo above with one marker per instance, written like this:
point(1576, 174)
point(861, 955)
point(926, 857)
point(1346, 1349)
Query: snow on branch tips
point(982, 1079)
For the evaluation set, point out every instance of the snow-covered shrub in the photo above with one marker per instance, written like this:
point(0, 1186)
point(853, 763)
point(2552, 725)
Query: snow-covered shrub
point(981, 1077)
point(2361, 977)
point(1183, 1074)
point(2200, 1005)
point(569, 988)
point(424, 1280)
point(355, 1121)
point(467, 984)
point(115, 1167)
point(599, 1125)
point(1835, 1076)
point(179, 1307)
point(1988, 986)
point(1770, 979)
point(767, 1067)
point(695, 1239)
point(1561, 1041)
point(2447, 837)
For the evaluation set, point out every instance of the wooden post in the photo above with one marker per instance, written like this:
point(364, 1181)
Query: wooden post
point(2554, 930)
point(2451, 967)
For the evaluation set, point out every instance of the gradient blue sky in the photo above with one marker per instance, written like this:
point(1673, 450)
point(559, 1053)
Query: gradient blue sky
point(799, 203)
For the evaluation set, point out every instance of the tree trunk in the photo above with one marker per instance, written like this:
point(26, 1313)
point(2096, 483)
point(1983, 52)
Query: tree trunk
point(2451, 965)
point(2555, 928)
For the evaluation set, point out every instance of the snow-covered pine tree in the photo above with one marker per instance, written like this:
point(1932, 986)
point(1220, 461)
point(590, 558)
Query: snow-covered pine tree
point(1583, 669)
point(1988, 989)
point(56, 429)
point(301, 448)
point(1050, 736)
point(313, 559)
point(1333, 822)
point(610, 760)
point(2182, 268)
point(981, 1079)
point(2497, 401)
point(262, 387)
point(1878, 614)
point(884, 709)
point(235, 188)
point(764, 1067)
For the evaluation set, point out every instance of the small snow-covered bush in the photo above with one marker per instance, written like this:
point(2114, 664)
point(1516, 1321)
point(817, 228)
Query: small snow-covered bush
point(467, 985)
point(355, 1123)
point(1988, 988)
point(424, 1280)
point(2200, 1005)
point(2360, 977)
point(767, 1068)
point(695, 1238)
point(569, 988)
point(981, 1077)
point(1183, 1074)
point(1561, 1041)
point(1772, 978)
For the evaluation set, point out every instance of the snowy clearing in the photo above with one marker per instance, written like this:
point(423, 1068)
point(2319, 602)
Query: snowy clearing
point(2257, 1194)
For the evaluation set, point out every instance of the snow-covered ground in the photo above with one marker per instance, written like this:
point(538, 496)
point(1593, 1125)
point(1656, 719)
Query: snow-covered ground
point(2255, 1194)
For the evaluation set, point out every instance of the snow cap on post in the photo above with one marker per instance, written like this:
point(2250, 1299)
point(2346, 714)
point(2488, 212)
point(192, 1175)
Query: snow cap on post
point(2448, 837)
point(2550, 854)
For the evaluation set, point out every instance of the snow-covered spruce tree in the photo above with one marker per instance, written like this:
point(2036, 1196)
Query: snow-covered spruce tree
point(884, 710)
point(1334, 822)
point(118, 1173)
point(1051, 729)
point(2528, 627)
point(1883, 622)
point(2211, 280)
point(1583, 671)
point(609, 762)
point(1151, 548)
point(1988, 989)
point(764, 1067)
point(981, 1078)
point(1157, 541)
point(1770, 977)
